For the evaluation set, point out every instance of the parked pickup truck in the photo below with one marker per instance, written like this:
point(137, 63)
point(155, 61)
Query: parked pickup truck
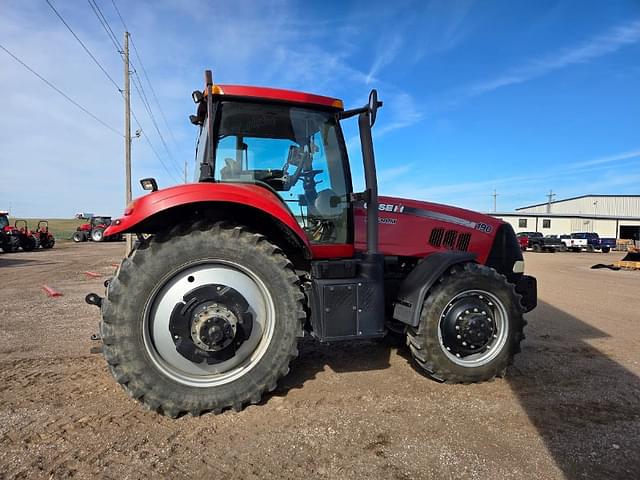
point(589, 241)
point(538, 243)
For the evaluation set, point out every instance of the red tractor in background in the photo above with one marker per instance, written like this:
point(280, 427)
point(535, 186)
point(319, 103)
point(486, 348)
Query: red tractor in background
point(28, 240)
point(45, 237)
point(272, 242)
point(9, 235)
point(94, 230)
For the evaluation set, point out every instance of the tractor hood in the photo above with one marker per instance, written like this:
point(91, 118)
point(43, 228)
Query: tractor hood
point(414, 228)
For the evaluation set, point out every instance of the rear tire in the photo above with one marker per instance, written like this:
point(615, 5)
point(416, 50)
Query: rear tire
point(536, 247)
point(30, 244)
point(134, 331)
point(79, 236)
point(447, 357)
point(606, 249)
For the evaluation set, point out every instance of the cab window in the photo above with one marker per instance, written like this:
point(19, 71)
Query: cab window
point(295, 153)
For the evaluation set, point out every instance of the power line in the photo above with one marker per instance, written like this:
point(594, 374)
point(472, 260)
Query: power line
point(83, 46)
point(105, 25)
point(67, 97)
point(144, 72)
point(145, 102)
point(114, 40)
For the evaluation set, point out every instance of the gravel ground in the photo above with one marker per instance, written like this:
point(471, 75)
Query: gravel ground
point(570, 407)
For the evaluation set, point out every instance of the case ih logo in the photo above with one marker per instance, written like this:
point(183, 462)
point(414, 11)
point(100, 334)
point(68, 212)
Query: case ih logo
point(390, 207)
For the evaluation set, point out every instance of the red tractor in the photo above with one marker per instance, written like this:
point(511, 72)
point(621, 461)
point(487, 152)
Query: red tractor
point(93, 230)
point(229, 272)
point(9, 235)
point(29, 241)
point(45, 237)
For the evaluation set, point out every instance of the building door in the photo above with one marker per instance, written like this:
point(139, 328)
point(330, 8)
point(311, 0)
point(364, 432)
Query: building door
point(630, 232)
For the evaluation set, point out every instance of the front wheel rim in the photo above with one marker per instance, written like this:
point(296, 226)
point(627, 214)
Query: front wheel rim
point(486, 306)
point(160, 345)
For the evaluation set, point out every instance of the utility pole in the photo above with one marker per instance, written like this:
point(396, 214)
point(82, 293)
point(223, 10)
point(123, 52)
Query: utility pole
point(550, 197)
point(185, 171)
point(495, 201)
point(127, 135)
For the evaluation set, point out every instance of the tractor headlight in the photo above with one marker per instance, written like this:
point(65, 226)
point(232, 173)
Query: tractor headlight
point(518, 266)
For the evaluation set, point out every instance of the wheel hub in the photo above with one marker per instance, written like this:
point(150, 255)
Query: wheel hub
point(210, 324)
point(468, 326)
point(214, 328)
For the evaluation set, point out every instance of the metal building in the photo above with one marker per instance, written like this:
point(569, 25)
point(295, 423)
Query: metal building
point(611, 216)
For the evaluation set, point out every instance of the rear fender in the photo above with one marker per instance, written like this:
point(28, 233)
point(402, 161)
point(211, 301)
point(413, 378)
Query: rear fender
point(161, 210)
point(416, 285)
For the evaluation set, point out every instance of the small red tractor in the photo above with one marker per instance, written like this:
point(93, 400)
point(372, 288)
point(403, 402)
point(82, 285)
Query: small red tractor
point(272, 242)
point(9, 236)
point(28, 239)
point(45, 237)
point(93, 230)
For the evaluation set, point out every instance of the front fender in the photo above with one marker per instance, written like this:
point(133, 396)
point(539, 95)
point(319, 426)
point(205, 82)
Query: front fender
point(415, 286)
point(247, 195)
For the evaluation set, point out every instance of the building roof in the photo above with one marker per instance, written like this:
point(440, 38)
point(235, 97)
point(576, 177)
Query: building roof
point(277, 94)
point(564, 215)
point(575, 198)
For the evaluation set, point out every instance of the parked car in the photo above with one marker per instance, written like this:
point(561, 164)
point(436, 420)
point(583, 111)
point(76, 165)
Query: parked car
point(524, 242)
point(589, 241)
point(538, 242)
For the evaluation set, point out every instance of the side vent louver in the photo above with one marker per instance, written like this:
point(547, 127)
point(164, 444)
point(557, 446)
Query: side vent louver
point(449, 239)
point(463, 242)
point(436, 237)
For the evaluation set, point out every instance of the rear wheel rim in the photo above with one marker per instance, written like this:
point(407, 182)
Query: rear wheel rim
point(495, 310)
point(159, 343)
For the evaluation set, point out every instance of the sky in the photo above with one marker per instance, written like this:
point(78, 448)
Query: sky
point(515, 96)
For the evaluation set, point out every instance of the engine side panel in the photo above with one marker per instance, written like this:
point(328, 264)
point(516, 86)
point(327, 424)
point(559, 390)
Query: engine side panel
point(417, 229)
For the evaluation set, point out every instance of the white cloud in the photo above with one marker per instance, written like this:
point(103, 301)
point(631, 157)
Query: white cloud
point(385, 55)
point(522, 189)
point(593, 48)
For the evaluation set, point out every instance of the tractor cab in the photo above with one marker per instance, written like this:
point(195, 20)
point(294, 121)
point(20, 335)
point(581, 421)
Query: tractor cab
point(295, 150)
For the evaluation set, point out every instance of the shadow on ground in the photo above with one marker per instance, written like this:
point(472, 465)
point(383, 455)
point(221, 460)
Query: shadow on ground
point(12, 261)
point(585, 405)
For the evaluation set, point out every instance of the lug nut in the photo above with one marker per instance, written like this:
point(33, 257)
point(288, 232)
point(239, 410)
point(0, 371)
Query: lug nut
point(464, 344)
point(458, 337)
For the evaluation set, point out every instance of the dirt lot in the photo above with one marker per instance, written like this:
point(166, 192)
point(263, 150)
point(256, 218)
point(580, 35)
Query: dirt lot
point(570, 407)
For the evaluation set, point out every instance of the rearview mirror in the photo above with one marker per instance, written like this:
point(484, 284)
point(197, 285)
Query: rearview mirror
point(373, 106)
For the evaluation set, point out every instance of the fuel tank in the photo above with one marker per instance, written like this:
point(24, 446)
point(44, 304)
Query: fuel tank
point(416, 229)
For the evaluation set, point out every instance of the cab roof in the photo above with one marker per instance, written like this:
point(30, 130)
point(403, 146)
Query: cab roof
point(277, 94)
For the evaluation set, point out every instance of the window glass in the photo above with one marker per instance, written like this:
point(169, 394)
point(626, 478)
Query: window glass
point(295, 153)
point(522, 223)
point(546, 223)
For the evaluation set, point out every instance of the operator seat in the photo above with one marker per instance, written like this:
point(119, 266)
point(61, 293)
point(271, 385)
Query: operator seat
point(232, 169)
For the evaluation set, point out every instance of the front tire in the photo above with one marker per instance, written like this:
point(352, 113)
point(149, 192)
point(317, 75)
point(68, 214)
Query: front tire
point(97, 234)
point(142, 301)
point(470, 328)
